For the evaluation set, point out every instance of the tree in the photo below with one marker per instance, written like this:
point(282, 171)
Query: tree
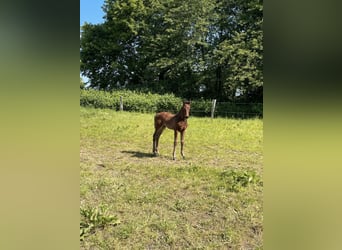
point(82, 84)
point(96, 57)
point(203, 48)
point(109, 50)
point(236, 49)
point(175, 41)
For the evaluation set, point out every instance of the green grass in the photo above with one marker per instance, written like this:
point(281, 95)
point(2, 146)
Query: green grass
point(212, 199)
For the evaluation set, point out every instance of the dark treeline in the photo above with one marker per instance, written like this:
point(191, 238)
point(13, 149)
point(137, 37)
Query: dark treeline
point(194, 49)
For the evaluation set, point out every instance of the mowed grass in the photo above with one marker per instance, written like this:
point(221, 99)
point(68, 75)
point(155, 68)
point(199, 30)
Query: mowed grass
point(212, 199)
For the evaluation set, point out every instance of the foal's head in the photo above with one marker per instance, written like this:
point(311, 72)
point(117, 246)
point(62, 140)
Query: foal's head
point(186, 109)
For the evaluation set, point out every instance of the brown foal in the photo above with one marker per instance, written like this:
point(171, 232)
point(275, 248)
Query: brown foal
point(177, 122)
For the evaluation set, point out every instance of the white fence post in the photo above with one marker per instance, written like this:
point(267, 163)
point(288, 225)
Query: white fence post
point(121, 103)
point(213, 105)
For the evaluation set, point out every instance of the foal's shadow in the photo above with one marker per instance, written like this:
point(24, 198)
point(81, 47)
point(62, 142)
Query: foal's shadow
point(138, 154)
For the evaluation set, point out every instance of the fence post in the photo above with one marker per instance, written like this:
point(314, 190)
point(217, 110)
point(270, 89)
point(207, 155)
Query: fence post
point(213, 105)
point(121, 103)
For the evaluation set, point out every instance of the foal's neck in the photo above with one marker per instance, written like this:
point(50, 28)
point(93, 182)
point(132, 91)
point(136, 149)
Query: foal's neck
point(179, 116)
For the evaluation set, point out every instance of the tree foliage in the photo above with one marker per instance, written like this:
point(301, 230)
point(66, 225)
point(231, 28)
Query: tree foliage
point(203, 48)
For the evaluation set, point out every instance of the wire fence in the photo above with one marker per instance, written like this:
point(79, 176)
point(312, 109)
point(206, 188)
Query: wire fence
point(228, 110)
point(218, 109)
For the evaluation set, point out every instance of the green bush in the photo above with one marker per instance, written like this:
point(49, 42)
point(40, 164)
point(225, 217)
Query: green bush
point(201, 107)
point(132, 101)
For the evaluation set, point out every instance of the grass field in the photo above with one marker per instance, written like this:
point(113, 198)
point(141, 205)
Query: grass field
point(130, 199)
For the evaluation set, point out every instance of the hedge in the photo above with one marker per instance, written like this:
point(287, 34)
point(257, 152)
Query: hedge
point(132, 101)
point(149, 103)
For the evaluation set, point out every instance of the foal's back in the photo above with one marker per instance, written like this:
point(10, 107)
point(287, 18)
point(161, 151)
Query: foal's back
point(162, 118)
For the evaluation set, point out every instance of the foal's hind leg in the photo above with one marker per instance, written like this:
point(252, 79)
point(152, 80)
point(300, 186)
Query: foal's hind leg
point(154, 142)
point(156, 137)
point(160, 131)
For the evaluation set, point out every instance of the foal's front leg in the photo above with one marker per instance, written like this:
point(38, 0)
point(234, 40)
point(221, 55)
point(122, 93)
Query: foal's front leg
point(174, 145)
point(182, 143)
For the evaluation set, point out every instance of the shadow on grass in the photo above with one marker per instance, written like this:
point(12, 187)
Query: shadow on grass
point(138, 154)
